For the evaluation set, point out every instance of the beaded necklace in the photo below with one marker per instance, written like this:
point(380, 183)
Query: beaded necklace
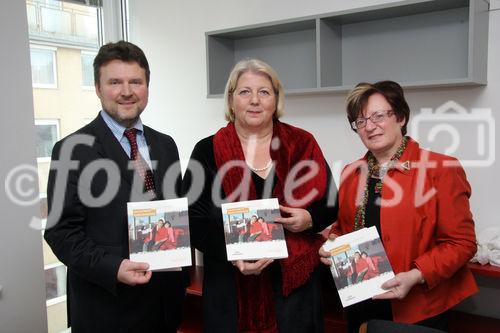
point(267, 166)
point(378, 172)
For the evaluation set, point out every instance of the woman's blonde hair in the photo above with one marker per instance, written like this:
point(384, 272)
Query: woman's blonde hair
point(258, 67)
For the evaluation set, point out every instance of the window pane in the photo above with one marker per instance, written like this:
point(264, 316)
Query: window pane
point(64, 22)
point(87, 70)
point(44, 208)
point(31, 11)
point(86, 26)
point(42, 66)
point(55, 282)
point(55, 21)
point(53, 3)
point(46, 137)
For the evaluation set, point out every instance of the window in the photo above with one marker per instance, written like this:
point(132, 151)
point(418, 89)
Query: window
point(64, 33)
point(43, 67)
point(55, 283)
point(88, 69)
point(47, 134)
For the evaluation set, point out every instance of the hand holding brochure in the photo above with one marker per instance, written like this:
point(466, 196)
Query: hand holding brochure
point(360, 265)
point(159, 233)
point(251, 232)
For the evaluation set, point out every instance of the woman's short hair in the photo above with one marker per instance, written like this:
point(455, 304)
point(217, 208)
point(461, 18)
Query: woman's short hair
point(358, 98)
point(258, 67)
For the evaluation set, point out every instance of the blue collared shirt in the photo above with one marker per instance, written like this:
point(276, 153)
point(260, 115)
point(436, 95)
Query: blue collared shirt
point(118, 131)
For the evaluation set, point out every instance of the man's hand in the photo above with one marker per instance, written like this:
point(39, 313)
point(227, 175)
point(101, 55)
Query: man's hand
point(299, 219)
point(255, 268)
point(400, 285)
point(324, 256)
point(132, 273)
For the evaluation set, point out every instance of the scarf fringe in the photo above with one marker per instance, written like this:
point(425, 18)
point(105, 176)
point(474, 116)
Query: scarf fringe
point(296, 273)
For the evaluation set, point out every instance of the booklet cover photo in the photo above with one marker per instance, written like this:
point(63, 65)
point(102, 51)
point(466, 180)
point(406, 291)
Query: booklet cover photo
point(159, 233)
point(360, 265)
point(250, 230)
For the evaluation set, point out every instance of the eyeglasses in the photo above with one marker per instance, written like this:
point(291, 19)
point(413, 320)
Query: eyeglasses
point(375, 117)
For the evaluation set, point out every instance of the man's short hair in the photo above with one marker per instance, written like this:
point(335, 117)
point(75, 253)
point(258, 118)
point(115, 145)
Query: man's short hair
point(123, 51)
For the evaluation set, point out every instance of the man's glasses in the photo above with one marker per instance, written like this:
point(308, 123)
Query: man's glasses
point(375, 117)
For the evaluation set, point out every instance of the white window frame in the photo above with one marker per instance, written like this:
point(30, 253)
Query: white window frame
point(91, 53)
point(54, 66)
point(58, 134)
point(59, 299)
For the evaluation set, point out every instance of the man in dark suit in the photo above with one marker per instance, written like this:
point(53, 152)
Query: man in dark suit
point(94, 173)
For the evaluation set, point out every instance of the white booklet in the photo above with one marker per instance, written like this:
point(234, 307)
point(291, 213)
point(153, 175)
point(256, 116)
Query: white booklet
point(158, 233)
point(360, 265)
point(251, 232)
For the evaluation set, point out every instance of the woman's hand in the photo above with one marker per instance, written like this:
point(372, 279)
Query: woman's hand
point(299, 219)
point(249, 268)
point(324, 256)
point(400, 285)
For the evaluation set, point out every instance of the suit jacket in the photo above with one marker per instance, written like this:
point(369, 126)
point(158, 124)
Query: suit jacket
point(92, 239)
point(425, 229)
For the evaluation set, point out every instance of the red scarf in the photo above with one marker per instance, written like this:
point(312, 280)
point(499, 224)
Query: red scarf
point(255, 295)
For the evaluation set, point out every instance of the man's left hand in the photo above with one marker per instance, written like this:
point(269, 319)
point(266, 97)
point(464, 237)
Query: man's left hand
point(133, 273)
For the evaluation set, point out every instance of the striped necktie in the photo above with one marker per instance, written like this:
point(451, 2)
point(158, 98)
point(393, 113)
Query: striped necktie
point(139, 163)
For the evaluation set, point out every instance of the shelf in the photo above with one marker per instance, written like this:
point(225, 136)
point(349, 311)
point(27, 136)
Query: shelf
point(485, 270)
point(196, 286)
point(425, 43)
point(296, 40)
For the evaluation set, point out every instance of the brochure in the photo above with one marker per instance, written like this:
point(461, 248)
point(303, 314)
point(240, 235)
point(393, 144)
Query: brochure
point(251, 232)
point(159, 233)
point(360, 265)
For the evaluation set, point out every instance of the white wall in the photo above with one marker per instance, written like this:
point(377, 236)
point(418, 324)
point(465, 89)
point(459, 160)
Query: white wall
point(172, 33)
point(22, 301)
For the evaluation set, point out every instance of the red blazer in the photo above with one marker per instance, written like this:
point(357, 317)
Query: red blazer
point(265, 234)
point(432, 231)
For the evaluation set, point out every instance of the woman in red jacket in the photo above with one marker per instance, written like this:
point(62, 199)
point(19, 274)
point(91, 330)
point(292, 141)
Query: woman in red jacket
point(266, 233)
point(255, 229)
point(419, 202)
point(361, 267)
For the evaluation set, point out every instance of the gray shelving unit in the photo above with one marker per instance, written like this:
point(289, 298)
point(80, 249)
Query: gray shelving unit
point(419, 43)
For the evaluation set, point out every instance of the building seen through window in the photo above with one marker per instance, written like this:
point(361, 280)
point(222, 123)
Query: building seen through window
point(47, 134)
point(43, 67)
point(64, 38)
point(88, 69)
